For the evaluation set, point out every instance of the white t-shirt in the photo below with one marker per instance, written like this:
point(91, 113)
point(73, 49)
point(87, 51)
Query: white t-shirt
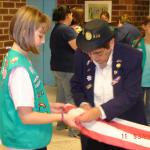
point(21, 89)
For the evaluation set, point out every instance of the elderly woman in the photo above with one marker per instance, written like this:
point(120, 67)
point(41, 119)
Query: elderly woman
point(107, 79)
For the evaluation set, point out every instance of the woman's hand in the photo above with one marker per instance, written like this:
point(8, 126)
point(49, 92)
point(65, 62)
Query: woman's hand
point(85, 106)
point(90, 115)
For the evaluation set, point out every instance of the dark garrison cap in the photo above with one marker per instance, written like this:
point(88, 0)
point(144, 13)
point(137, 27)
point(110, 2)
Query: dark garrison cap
point(95, 34)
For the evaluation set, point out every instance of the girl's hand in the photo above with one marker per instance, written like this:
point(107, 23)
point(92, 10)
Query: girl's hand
point(56, 107)
point(70, 121)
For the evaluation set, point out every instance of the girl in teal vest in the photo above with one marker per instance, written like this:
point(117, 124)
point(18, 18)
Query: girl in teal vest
point(143, 44)
point(25, 114)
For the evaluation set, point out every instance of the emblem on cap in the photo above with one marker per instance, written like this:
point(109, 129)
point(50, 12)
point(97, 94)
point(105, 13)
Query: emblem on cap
point(88, 35)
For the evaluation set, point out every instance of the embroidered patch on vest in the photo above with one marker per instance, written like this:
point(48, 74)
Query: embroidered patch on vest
point(14, 60)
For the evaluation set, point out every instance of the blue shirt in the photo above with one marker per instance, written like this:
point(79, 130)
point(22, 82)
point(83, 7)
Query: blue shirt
point(61, 52)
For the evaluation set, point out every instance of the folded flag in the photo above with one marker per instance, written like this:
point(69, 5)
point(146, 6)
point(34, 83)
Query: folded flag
point(118, 132)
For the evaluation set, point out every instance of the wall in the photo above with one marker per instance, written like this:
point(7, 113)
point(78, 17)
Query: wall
point(137, 9)
point(7, 10)
point(42, 61)
point(149, 8)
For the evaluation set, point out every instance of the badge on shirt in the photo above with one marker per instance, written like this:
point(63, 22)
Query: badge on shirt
point(88, 86)
point(116, 80)
point(118, 65)
point(88, 70)
point(115, 72)
point(89, 77)
point(88, 62)
point(119, 61)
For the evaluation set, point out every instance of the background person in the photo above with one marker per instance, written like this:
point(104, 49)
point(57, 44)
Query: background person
point(143, 44)
point(126, 32)
point(107, 79)
point(104, 15)
point(63, 46)
point(25, 114)
point(78, 19)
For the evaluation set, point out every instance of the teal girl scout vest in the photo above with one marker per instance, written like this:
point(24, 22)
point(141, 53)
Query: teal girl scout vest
point(13, 132)
point(140, 44)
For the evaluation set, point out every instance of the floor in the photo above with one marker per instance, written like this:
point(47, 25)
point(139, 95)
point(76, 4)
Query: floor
point(60, 139)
